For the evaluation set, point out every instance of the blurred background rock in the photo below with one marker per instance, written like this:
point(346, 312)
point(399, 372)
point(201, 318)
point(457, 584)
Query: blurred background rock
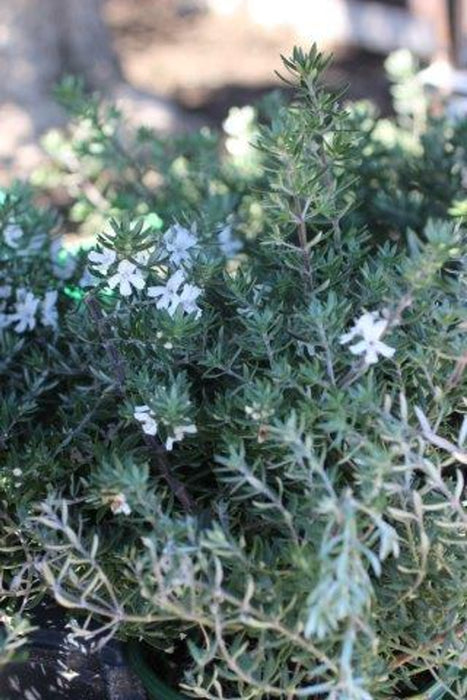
point(176, 64)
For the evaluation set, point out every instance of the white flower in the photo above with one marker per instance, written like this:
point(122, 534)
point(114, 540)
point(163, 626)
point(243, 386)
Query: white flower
point(168, 294)
point(370, 326)
point(142, 258)
point(12, 234)
point(127, 276)
point(239, 120)
point(188, 299)
point(88, 279)
point(49, 315)
point(228, 244)
point(179, 433)
point(119, 504)
point(145, 416)
point(25, 314)
point(239, 127)
point(5, 291)
point(178, 241)
point(102, 261)
point(258, 412)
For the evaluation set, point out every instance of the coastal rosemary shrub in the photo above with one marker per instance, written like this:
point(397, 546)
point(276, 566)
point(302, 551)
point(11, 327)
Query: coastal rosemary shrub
point(235, 427)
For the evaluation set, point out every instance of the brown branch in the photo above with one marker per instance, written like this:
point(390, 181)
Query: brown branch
point(177, 487)
point(158, 450)
point(105, 335)
point(459, 370)
point(408, 657)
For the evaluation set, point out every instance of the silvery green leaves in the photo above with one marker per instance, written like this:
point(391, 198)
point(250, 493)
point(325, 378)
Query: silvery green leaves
point(345, 590)
point(276, 482)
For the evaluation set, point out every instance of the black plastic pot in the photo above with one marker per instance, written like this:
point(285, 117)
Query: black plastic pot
point(54, 668)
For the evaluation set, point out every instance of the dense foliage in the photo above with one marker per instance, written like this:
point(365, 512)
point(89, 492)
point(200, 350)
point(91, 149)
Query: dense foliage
point(236, 426)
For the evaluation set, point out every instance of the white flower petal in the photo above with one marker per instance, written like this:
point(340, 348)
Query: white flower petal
point(141, 409)
point(12, 235)
point(138, 281)
point(125, 287)
point(156, 291)
point(150, 426)
point(371, 356)
point(113, 281)
point(384, 349)
point(359, 348)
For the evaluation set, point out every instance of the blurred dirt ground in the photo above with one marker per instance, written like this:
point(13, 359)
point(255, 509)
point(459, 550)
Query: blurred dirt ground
point(202, 61)
point(208, 62)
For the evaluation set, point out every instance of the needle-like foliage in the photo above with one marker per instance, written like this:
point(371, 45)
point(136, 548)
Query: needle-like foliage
point(236, 427)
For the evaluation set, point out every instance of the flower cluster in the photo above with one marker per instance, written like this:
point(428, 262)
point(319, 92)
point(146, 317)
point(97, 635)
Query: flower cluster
point(175, 257)
point(27, 310)
point(144, 415)
point(176, 293)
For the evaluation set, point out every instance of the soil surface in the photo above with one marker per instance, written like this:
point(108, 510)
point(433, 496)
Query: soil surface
point(202, 61)
point(208, 62)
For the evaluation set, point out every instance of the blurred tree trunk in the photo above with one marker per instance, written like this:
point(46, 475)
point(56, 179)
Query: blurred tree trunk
point(42, 40)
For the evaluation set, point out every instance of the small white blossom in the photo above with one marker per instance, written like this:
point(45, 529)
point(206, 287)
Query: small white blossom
point(142, 258)
point(370, 326)
point(258, 412)
point(188, 298)
point(119, 505)
point(101, 261)
point(168, 297)
point(49, 314)
point(88, 279)
point(126, 277)
point(25, 314)
point(179, 433)
point(68, 674)
point(228, 243)
point(5, 291)
point(239, 127)
point(239, 120)
point(178, 241)
point(12, 235)
point(145, 416)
